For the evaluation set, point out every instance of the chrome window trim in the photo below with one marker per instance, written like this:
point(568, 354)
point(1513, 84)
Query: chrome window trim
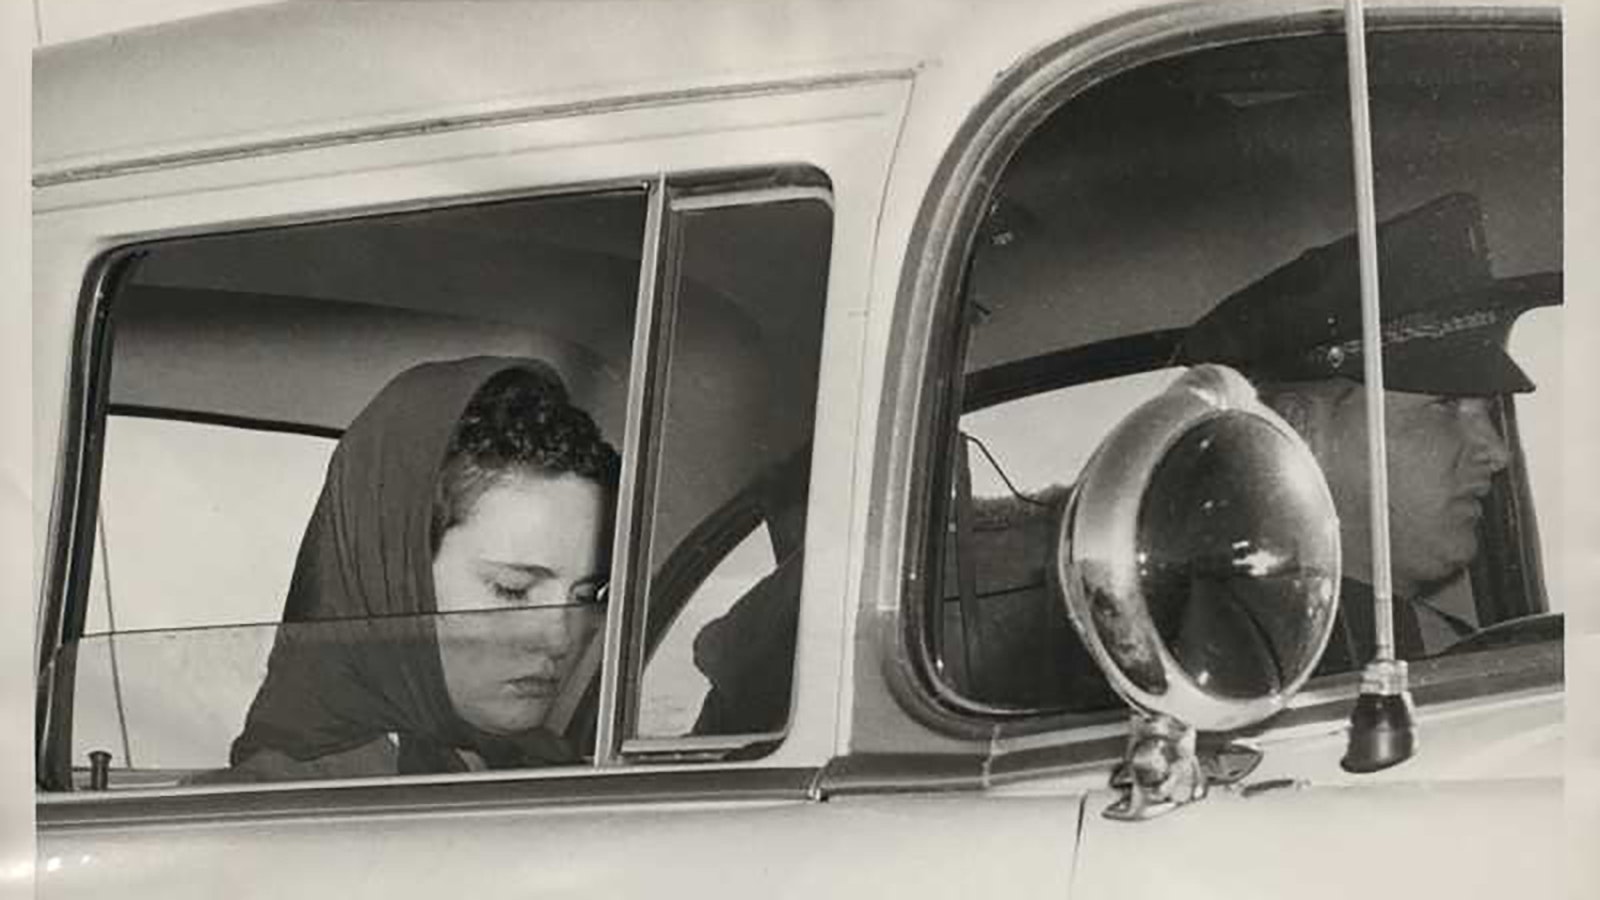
point(617, 678)
point(74, 515)
point(419, 796)
point(715, 745)
point(695, 746)
point(669, 244)
point(752, 197)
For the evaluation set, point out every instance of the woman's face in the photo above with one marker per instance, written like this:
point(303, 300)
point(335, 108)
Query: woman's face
point(516, 583)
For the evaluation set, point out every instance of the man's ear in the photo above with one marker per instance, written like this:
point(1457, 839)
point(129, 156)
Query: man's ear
point(1298, 410)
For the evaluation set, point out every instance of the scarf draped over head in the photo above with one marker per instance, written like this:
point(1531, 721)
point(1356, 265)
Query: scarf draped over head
point(356, 657)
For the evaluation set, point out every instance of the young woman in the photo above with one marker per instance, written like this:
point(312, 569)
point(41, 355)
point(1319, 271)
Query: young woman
point(448, 583)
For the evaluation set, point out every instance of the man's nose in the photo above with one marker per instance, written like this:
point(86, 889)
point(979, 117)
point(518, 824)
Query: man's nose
point(1488, 446)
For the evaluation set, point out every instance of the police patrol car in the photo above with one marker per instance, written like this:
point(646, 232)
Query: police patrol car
point(935, 561)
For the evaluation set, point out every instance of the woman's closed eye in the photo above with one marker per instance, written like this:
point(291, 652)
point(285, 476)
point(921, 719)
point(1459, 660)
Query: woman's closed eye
point(591, 593)
point(514, 585)
point(510, 592)
point(530, 586)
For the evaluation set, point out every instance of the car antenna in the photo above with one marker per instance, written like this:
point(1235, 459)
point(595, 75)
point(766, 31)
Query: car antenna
point(1382, 730)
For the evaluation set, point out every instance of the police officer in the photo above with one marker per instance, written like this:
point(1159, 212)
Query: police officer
point(1296, 333)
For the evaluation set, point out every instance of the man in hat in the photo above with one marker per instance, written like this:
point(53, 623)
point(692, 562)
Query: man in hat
point(1297, 334)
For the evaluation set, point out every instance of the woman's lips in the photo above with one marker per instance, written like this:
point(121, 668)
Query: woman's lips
point(535, 686)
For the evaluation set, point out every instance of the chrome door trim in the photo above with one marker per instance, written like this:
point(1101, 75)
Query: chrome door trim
point(390, 797)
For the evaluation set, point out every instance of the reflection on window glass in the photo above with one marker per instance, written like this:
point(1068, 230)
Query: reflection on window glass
point(1198, 209)
point(199, 523)
point(1045, 439)
point(674, 688)
point(176, 701)
point(737, 418)
point(178, 706)
point(356, 495)
point(1001, 629)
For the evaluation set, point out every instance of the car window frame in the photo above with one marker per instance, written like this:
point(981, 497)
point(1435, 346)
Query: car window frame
point(628, 637)
point(949, 224)
point(69, 559)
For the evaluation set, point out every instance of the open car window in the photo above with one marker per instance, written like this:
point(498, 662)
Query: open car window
point(235, 502)
point(1137, 206)
point(226, 369)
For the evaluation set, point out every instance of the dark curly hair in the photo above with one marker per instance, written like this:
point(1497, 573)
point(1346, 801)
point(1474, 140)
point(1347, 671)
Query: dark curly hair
point(519, 421)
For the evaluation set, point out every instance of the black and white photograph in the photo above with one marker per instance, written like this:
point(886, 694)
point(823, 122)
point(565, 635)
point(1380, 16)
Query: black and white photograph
point(1088, 449)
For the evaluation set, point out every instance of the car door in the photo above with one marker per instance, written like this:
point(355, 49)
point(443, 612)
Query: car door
point(219, 304)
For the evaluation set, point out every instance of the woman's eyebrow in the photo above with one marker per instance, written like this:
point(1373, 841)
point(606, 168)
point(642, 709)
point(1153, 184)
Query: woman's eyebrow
point(534, 569)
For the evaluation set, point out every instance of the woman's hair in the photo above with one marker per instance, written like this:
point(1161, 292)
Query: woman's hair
point(519, 422)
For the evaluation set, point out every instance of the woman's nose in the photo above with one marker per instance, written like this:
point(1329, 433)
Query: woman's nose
point(554, 631)
point(560, 629)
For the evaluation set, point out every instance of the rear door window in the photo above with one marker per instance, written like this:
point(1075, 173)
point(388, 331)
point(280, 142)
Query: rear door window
point(683, 319)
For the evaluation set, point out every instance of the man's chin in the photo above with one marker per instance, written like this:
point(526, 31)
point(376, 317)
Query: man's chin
point(1427, 587)
point(1444, 564)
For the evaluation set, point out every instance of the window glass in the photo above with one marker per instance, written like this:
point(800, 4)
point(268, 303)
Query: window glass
point(750, 281)
point(165, 703)
point(1138, 206)
point(199, 523)
point(997, 600)
point(264, 606)
point(197, 535)
point(1027, 446)
point(674, 687)
point(357, 490)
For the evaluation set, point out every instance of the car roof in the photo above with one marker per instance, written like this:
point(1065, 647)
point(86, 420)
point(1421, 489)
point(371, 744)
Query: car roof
point(281, 70)
point(284, 71)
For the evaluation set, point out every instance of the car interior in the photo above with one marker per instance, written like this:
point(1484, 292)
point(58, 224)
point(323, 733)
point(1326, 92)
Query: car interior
point(234, 361)
point(1132, 209)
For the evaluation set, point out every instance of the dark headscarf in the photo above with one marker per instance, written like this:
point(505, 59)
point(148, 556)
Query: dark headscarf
point(357, 656)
